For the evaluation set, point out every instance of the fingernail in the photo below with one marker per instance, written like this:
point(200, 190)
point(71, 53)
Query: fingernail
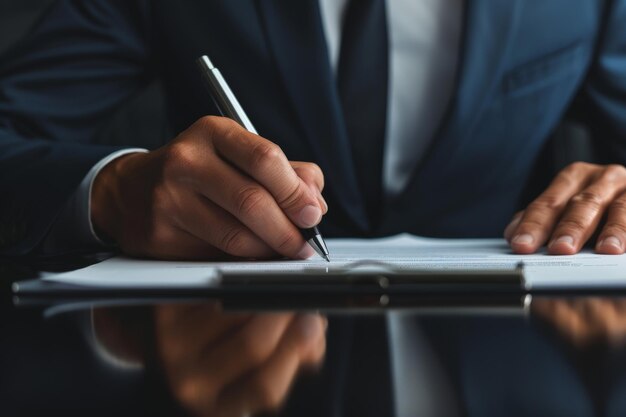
point(306, 252)
point(525, 239)
point(309, 216)
point(566, 240)
point(611, 241)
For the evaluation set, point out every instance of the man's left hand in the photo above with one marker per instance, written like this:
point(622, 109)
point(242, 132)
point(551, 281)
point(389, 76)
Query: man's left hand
point(580, 199)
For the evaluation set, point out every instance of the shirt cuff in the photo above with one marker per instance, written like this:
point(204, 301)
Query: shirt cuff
point(73, 229)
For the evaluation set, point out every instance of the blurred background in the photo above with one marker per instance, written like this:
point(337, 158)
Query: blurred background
point(142, 118)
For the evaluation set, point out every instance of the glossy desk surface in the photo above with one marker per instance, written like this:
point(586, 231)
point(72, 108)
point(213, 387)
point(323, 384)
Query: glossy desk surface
point(549, 355)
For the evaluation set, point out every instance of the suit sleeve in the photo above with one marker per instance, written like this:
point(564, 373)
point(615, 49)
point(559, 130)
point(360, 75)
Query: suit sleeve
point(57, 86)
point(603, 100)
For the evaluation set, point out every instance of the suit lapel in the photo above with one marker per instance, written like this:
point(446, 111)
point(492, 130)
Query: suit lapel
point(296, 38)
point(488, 29)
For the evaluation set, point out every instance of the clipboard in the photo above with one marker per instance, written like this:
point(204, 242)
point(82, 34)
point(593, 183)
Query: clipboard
point(367, 280)
point(361, 287)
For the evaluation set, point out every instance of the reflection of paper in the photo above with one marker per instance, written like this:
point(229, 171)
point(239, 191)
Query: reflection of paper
point(402, 252)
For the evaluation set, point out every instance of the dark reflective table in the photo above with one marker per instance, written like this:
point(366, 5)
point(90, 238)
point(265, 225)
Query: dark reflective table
point(553, 355)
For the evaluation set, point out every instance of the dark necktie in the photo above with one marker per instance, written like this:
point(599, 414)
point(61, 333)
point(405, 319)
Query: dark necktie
point(362, 83)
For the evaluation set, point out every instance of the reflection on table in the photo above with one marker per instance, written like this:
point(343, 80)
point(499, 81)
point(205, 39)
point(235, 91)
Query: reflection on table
point(217, 364)
point(560, 356)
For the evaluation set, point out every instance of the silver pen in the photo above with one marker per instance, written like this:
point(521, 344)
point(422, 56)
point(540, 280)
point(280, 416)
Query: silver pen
point(229, 106)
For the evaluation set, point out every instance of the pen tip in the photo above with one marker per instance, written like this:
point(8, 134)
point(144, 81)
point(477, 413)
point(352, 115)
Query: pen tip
point(327, 258)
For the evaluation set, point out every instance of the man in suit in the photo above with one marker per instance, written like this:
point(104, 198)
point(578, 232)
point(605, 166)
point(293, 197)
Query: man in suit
point(427, 117)
point(424, 117)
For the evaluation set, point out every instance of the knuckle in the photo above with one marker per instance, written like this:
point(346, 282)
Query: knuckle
point(619, 206)
point(570, 175)
point(207, 121)
point(211, 125)
point(530, 224)
point(315, 172)
point(293, 198)
point(312, 170)
point(249, 200)
point(573, 224)
point(614, 171)
point(265, 155)
point(180, 154)
point(546, 203)
point(589, 199)
point(614, 228)
point(234, 241)
point(229, 129)
point(288, 242)
point(228, 123)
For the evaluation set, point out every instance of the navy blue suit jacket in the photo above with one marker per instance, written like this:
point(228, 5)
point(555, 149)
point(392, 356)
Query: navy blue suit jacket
point(524, 65)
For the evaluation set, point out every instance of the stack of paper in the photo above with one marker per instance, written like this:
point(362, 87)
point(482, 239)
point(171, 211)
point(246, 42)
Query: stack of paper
point(402, 252)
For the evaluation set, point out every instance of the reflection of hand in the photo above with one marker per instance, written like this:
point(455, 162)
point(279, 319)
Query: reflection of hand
point(585, 321)
point(234, 365)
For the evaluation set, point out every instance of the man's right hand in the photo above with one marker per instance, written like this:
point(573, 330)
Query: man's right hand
point(216, 191)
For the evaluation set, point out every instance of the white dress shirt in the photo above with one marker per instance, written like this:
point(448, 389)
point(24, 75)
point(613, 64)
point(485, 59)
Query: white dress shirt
point(73, 229)
point(424, 38)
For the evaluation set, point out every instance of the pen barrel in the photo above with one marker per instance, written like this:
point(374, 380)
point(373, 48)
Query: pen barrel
point(222, 95)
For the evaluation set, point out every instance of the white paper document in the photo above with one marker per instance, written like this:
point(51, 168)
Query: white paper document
point(402, 252)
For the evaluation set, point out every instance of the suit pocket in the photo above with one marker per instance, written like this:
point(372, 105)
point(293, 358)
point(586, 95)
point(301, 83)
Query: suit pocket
point(545, 70)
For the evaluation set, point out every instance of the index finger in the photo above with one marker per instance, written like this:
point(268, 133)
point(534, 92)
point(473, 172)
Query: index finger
point(540, 218)
point(265, 162)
